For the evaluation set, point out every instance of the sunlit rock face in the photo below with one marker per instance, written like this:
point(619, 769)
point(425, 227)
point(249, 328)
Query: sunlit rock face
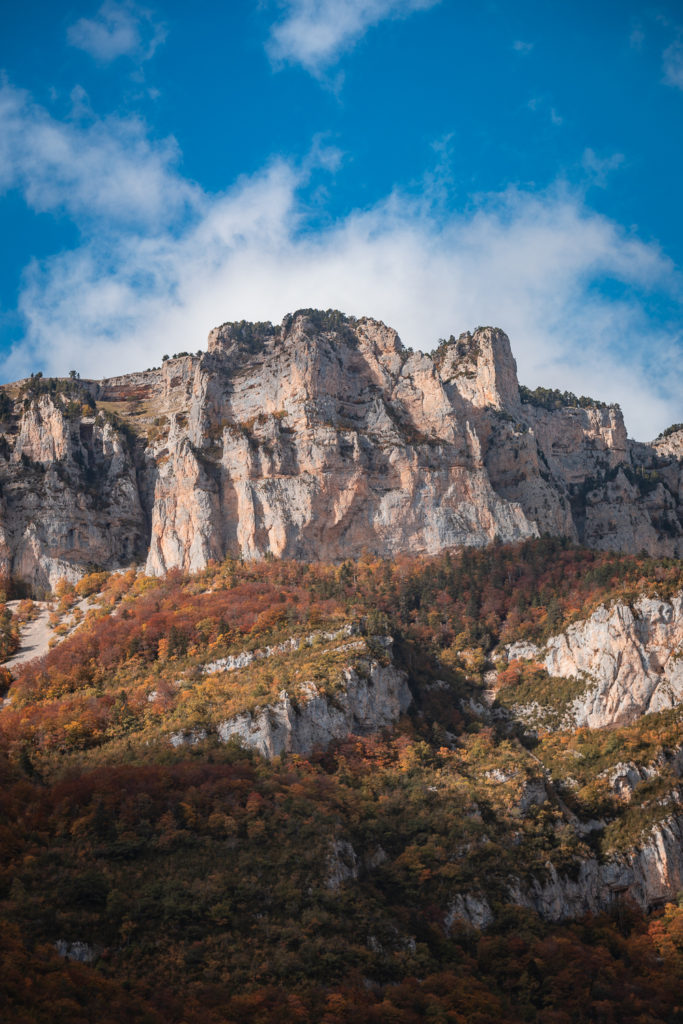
point(70, 496)
point(633, 656)
point(629, 659)
point(362, 705)
point(318, 438)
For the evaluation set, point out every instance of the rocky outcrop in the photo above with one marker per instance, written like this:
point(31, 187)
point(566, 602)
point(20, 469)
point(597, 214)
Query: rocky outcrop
point(79, 952)
point(481, 370)
point(624, 778)
point(233, 662)
point(669, 444)
point(634, 656)
point(342, 865)
point(649, 874)
point(370, 695)
point(363, 704)
point(318, 438)
point(70, 493)
point(630, 658)
point(468, 908)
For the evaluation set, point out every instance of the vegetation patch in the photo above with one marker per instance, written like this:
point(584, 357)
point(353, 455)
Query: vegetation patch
point(553, 399)
point(544, 700)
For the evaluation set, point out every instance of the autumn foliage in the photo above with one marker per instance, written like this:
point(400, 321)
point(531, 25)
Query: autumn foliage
point(212, 886)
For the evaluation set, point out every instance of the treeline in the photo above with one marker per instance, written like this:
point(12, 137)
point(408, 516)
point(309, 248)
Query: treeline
point(552, 399)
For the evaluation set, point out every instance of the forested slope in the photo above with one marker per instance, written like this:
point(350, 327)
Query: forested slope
point(437, 866)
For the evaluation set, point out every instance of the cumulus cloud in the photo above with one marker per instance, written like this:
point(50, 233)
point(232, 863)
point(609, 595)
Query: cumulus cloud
point(538, 264)
point(92, 169)
point(118, 30)
point(314, 33)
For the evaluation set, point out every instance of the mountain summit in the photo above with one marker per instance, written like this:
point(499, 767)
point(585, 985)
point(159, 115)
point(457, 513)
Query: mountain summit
point(318, 439)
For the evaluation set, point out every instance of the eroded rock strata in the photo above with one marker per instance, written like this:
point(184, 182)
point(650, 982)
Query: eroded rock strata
point(316, 439)
point(630, 661)
point(364, 704)
point(649, 874)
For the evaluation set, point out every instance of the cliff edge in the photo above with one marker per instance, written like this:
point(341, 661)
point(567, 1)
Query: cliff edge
point(316, 439)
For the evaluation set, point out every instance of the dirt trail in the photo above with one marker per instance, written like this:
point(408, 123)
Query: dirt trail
point(35, 636)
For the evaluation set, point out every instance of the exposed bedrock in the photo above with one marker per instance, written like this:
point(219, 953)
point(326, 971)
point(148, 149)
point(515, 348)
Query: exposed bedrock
point(317, 439)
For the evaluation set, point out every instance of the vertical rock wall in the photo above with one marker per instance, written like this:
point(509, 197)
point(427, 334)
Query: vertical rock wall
point(317, 439)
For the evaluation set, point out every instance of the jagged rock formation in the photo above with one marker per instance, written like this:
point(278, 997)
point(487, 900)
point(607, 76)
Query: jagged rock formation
point(649, 874)
point(69, 491)
point(630, 659)
point(371, 696)
point(362, 706)
point(318, 438)
point(79, 952)
point(626, 776)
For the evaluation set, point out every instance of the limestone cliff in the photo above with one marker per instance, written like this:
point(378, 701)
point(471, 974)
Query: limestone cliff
point(318, 438)
point(630, 661)
point(649, 874)
point(363, 705)
point(70, 496)
point(370, 696)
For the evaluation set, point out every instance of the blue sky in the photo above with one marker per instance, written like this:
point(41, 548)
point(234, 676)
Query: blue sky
point(165, 167)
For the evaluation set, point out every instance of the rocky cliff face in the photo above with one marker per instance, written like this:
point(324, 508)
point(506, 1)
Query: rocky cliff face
point(631, 661)
point(70, 495)
point(370, 696)
point(649, 875)
point(317, 438)
point(363, 705)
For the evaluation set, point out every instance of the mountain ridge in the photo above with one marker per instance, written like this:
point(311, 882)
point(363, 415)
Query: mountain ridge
point(317, 439)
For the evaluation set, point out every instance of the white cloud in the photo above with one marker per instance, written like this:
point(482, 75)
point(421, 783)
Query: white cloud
point(89, 168)
point(599, 168)
point(314, 33)
point(673, 64)
point(532, 263)
point(118, 30)
point(521, 47)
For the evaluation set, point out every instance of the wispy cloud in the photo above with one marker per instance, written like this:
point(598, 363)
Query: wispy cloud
point(599, 168)
point(536, 264)
point(659, 24)
point(672, 63)
point(636, 38)
point(541, 105)
point(314, 33)
point(118, 30)
point(521, 47)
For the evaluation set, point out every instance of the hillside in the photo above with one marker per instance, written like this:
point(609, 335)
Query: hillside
point(363, 791)
point(318, 439)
